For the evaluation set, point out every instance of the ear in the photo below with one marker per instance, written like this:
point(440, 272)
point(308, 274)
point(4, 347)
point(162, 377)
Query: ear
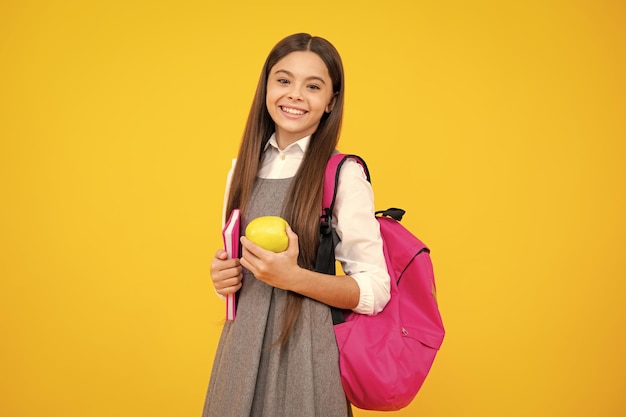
point(331, 104)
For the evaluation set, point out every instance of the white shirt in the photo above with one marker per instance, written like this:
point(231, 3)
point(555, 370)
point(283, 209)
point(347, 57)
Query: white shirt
point(360, 250)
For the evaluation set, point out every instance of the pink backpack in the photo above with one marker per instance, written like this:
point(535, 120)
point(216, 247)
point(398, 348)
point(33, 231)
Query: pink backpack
point(385, 358)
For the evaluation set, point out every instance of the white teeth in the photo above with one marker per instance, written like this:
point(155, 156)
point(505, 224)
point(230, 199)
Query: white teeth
point(293, 111)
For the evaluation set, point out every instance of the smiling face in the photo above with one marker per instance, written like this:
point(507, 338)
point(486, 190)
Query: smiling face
point(299, 92)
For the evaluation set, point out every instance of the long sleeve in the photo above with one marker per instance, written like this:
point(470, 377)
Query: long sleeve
point(360, 250)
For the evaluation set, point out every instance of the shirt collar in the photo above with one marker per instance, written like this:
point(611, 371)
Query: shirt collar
point(303, 144)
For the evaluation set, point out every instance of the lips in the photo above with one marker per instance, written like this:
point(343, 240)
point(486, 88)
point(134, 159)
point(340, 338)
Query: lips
point(293, 111)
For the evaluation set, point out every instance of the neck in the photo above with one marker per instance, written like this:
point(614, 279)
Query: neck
point(284, 140)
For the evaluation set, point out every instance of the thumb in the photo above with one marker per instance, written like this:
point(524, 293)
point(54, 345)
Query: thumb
point(293, 240)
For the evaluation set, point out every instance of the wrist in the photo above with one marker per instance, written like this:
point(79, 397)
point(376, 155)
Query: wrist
point(300, 280)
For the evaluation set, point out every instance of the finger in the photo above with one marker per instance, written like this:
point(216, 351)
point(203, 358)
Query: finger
point(229, 290)
point(247, 258)
point(293, 241)
point(228, 277)
point(247, 243)
point(249, 248)
point(228, 286)
point(221, 254)
point(222, 264)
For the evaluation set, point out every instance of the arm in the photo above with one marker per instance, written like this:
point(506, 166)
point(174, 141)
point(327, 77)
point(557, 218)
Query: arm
point(365, 288)
point(360, 250)
point(281, 270)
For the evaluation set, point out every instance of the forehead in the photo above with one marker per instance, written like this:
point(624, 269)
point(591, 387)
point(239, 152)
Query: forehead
point(302, 64)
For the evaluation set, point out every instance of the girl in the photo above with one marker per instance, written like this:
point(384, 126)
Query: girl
point(279, 357)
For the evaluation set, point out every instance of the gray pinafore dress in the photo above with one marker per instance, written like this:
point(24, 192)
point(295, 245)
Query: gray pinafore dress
point(253, 377)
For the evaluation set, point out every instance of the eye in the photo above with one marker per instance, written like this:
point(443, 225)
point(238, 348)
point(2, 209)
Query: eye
point(283, 81)
point(314, 86)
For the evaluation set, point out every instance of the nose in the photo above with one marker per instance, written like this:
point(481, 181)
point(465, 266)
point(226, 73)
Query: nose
point(295, 93)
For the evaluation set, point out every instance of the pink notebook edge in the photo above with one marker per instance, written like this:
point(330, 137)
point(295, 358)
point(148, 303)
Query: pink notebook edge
point(233, 251)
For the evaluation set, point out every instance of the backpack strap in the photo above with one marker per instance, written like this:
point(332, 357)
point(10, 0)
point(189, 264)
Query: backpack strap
point(331, 183)
point(331, 177)
point(325, 262)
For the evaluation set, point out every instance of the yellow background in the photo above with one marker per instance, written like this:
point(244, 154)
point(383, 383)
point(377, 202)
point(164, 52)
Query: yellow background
point(498, 126)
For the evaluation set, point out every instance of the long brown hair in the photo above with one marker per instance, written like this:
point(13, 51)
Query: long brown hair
point(303, 204)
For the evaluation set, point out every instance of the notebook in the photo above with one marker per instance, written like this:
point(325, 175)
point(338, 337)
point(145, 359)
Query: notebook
point(230, 233)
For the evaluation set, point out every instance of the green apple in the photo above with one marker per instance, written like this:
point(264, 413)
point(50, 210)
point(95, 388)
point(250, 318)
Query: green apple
point(269, 232)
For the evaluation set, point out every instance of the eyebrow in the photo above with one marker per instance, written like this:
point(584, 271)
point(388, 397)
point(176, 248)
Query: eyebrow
point(312, 77)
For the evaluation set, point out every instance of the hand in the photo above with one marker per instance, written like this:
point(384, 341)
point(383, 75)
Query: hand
point(226, 273)
point(276, 269)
